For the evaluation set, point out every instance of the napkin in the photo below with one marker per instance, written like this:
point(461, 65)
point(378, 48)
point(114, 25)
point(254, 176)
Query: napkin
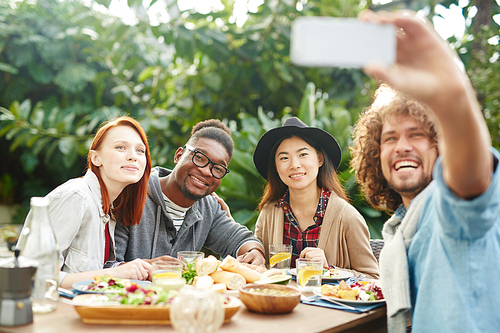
point(357, 308)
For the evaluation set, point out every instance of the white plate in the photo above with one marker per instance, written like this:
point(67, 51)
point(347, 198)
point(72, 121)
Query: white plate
point(341, 275)
point(317, 292)
point(79, 285)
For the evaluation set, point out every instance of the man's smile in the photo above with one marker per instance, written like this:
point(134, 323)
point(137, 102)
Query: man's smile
point(406, 165)
point(198, 180)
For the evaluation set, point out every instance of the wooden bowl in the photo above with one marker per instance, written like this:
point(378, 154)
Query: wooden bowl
point(136, 314)
point(231, 308)
point(258, 301)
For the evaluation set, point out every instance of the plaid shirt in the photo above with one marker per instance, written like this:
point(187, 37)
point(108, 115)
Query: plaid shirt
point(292, 234)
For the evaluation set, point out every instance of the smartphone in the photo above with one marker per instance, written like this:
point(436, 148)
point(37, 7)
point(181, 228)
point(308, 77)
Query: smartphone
point(341, 42)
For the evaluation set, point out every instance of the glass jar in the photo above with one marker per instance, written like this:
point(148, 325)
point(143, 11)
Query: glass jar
point(197, 311)
point(38, 242)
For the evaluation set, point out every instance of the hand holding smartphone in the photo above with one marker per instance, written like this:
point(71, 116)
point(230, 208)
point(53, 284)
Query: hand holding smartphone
point(341, 42)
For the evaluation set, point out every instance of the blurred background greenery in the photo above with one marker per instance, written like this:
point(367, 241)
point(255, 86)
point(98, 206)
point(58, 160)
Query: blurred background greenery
point(66, 66)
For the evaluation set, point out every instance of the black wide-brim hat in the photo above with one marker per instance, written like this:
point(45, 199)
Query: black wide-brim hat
point(294, 126)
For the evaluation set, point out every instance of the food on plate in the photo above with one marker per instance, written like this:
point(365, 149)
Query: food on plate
point(144, 296)
point(203, 282)
point(360, 291)
point(232, 280)
point(279, 257)
point(206, 265)
point(329, 290)
point(108, 284)
point(210, 273)
point(189, 272)
point(219, 287)
point(230, 264)
point(133, 295)
point(331, 271)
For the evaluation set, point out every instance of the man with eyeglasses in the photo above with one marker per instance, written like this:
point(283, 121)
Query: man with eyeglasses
point(180, 215)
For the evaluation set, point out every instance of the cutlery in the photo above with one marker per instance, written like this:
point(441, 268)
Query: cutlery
point(66, 292)
point(339, 303)
point(314, 298)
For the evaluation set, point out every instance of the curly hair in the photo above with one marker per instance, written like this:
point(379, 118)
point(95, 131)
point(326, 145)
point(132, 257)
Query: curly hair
point(213, 129)
point(365, 152)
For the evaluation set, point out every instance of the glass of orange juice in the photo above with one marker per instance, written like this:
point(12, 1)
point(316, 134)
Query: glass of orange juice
point(168, 275)
point(309, 273)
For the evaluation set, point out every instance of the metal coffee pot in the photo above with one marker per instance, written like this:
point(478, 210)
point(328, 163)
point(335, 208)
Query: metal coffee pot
point(16, 276)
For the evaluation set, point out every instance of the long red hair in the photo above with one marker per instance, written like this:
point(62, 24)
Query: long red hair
point(128, 206)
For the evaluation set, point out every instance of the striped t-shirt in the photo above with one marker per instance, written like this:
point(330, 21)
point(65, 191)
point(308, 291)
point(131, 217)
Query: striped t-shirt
point(176, 212)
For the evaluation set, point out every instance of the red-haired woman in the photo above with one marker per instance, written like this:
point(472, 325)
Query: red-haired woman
point(83, 211)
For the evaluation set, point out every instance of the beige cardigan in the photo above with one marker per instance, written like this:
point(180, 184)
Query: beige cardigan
point(344, 236)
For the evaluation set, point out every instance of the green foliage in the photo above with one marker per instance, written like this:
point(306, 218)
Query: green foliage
point(65, 68)
point(484, 66)
point(242, 188)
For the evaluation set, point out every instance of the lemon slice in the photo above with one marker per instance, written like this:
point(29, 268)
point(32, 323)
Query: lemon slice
point(167, 275)
point(278, 257)
point(306, 273)
point(275, 279)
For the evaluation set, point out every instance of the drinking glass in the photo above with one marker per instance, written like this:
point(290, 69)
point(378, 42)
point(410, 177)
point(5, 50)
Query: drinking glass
point(197, 311)
point(168, 275)
point(309, 273)
point(280, 256)
point(190, 256)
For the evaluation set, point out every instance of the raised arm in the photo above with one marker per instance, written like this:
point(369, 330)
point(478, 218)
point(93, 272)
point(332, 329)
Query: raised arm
point(429, 70)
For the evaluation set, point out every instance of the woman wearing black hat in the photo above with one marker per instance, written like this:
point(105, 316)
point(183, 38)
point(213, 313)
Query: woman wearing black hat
point(304, 203)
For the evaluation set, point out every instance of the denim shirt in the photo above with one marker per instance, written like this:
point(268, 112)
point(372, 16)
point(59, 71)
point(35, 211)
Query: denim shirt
point(78, 220)
point(454, 260)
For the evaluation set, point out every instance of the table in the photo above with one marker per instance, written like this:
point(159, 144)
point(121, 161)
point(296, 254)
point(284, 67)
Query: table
point(303, 319)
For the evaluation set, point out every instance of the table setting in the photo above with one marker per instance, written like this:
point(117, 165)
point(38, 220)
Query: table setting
point(250, 299)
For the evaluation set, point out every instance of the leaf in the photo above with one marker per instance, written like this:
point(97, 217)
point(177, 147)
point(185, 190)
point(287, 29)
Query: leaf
point(8, 68)
point(74, 77)
point(40, 144)
point(13, 132)
point(70, 158)
point(20, 138)
point(105, 3)
point(40, 73)
point(306, 110)
point(37, 116)
point(145, 74)
point(66, 145)
point(29, 162)
point(25, 109)
point(213, 81)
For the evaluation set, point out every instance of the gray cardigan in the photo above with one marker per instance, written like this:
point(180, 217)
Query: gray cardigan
point(205, 224)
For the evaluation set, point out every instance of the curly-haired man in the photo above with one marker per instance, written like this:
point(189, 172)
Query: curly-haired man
point(423, 151)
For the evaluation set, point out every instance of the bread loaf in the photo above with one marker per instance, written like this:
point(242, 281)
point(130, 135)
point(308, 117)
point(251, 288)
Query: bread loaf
point(206, 265)
point(232, 280)
point(232, 265)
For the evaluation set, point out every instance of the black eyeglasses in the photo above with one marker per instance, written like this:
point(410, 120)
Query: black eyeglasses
point(201, 160)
